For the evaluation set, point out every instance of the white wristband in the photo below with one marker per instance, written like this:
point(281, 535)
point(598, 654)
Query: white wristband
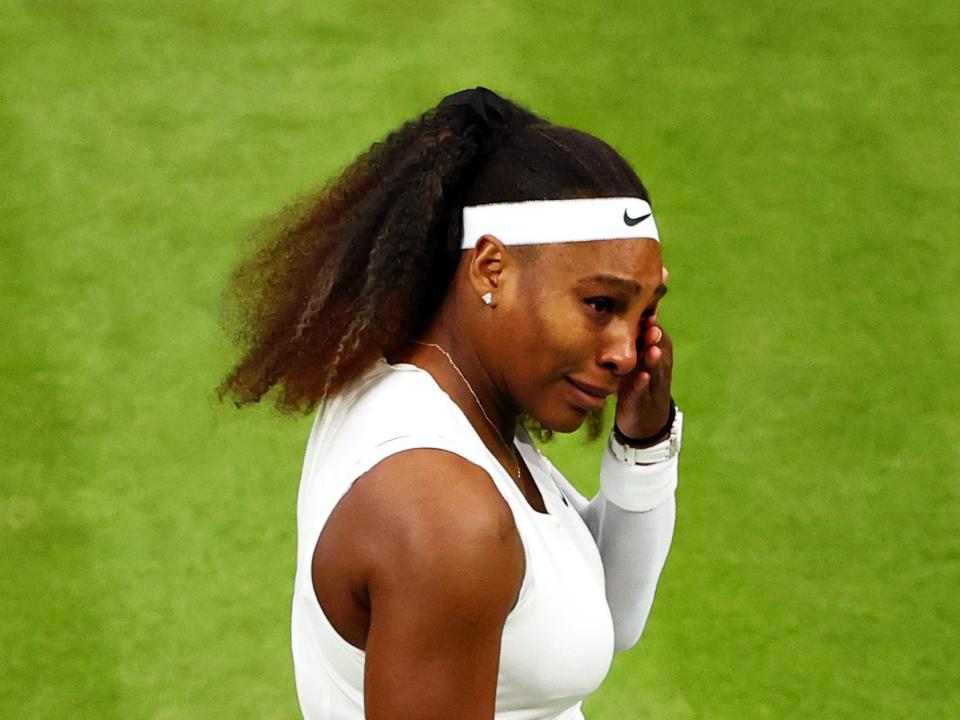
point(637, 488)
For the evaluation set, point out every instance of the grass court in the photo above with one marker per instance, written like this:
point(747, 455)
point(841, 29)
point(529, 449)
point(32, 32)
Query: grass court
point(802, 158)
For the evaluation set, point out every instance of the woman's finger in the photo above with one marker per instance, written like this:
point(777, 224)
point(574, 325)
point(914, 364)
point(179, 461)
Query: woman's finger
point(653, 355)
point(652, 335)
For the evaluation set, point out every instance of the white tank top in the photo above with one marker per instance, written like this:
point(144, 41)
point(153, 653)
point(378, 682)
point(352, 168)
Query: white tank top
point(557, 642)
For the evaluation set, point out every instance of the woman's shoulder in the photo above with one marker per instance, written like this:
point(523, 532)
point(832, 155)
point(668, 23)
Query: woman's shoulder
point(412, 439)
point(448, 558)
point(398, 400)
point(389, 409)
point(385, 381)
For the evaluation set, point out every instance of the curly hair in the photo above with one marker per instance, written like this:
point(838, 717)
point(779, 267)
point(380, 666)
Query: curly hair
point(346, 275)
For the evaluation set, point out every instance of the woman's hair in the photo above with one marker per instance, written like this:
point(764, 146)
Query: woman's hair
point(353, 272)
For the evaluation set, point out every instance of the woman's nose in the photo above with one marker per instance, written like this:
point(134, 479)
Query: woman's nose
point(619, 353)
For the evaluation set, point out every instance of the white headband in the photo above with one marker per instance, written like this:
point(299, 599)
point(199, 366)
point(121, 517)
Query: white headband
point(557, 221)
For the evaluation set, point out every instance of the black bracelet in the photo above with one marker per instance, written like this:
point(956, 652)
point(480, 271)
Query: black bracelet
point(662, 434)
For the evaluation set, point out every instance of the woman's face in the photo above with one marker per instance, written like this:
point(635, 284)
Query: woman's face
point(572, 323)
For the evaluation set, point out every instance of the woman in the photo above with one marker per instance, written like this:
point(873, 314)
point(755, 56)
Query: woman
point(435, 305)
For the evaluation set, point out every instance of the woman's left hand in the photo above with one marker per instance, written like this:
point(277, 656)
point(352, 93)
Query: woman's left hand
point(643, 401)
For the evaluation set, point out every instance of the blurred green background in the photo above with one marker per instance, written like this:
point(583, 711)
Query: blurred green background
point(803, 161)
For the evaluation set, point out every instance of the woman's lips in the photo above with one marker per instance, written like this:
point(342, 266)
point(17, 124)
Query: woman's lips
point(587, 396)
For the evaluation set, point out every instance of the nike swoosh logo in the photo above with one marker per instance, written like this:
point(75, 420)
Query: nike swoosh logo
point(634, 221)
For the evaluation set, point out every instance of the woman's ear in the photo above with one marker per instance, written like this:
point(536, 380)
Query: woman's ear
point(486, 268)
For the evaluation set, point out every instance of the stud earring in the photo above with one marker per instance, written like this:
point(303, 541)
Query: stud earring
point(487, 297)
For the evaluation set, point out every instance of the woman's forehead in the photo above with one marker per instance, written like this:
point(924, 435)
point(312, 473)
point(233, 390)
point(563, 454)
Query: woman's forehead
point(637, 259)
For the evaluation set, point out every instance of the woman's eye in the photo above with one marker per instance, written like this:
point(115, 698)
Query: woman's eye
point(600, 304)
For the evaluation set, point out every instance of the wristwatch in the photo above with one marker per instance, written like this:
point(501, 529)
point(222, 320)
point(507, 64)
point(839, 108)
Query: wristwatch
point(663, 450)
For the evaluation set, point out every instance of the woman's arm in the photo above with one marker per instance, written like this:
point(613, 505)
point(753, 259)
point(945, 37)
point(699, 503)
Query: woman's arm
point(633, 543)
point(442, 568)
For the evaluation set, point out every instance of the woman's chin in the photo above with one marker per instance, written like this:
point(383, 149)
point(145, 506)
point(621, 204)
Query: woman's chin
point(567, 421)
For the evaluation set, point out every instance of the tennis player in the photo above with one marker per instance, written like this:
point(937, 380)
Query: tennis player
point(479, 276)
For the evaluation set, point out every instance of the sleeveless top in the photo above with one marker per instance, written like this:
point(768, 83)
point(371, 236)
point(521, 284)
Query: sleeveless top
point(558, 640)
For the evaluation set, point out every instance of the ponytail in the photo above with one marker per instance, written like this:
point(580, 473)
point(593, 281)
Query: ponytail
point(353, 272)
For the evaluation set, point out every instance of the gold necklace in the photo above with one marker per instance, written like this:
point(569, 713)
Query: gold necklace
point(510, 451)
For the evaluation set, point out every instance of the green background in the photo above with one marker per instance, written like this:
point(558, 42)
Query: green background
point(803, 162)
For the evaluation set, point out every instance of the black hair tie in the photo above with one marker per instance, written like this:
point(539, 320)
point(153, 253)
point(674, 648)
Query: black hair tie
point(492, 109)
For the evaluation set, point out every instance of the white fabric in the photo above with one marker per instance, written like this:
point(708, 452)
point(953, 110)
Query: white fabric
point(637, 487)
point(557, 221)
point(559, 639)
